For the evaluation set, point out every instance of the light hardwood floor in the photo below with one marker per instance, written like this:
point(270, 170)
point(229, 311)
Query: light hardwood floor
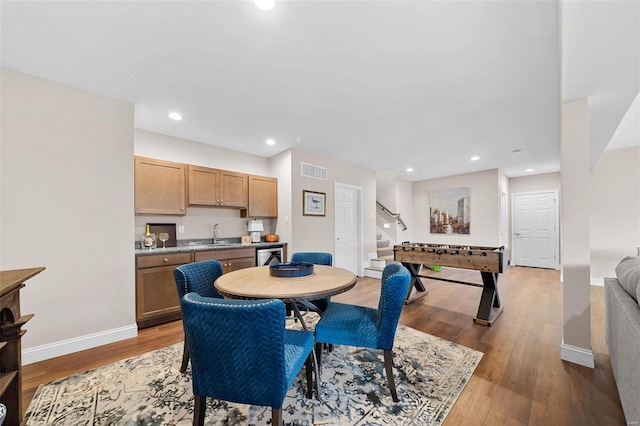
point(520, 380)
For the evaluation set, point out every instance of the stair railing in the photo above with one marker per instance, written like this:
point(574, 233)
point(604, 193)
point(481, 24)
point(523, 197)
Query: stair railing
point(396, 216)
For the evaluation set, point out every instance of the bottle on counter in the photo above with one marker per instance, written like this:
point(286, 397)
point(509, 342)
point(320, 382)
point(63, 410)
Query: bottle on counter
point(148, 239)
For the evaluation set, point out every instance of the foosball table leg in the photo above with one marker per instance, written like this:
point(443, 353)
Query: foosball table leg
point(490, 307)
point(416, 282)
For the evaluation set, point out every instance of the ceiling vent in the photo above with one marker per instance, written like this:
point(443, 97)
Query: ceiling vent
point(316, 172)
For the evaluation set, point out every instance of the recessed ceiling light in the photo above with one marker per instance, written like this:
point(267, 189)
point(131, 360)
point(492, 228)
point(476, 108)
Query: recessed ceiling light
point(265, 4)
point(270, 142)
point(409, 170)
point(175, 116)
point(475, 158)
point(529, 170)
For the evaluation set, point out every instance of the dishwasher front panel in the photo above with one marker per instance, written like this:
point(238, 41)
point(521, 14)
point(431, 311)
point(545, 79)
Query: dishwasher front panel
point(268, 256)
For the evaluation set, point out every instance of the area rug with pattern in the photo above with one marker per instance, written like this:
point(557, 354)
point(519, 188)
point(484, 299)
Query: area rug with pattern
point(149, 389)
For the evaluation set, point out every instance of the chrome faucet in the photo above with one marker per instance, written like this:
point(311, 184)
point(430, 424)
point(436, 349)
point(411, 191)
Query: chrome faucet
point(216, 233)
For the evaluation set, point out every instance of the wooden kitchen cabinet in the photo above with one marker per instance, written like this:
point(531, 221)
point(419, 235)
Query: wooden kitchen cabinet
point(214, 187)
point(156, 294)
point(263, 197)
point(159, 187)
point(231, 260)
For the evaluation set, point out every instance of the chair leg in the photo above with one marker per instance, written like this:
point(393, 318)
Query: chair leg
point(315, 366)
point(185, 356)
point(318, 355)
point(276, 416)
point(388, 366)
point(309, 372)
point(199, 410)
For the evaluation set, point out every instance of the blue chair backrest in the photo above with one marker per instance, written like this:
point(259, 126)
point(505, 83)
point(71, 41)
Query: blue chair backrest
point(395, 285)
point(317, 258)
point(236, 348)
point(198, 277)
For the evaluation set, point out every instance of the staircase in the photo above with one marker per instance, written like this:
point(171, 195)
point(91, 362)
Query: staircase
point(384, 257)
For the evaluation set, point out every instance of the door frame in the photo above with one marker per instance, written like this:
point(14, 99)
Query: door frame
point(556, 234)
point(359, 222)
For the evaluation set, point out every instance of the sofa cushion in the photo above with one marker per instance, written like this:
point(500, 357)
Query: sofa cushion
point(628, 274)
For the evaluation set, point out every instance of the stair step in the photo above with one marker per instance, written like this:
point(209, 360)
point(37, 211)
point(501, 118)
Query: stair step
point(378, 236)
point(373, 272)
point(385, 252)
point(382, 243)
point(378, 263)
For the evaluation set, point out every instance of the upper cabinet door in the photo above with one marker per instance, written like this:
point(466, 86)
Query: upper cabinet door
point(263, 196)
point(213, 187)
point(204, 186)
point(233, 189)
point(159, 187)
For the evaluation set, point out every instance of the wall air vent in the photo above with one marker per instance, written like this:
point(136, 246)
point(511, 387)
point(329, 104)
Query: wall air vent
point(316, 172)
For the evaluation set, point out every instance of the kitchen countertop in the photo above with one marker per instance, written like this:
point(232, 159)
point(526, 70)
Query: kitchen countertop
point(205, 247)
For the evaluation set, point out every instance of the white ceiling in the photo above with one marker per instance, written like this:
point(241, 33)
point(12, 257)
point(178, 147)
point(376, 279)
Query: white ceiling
point(384, 85)
point(601, 61)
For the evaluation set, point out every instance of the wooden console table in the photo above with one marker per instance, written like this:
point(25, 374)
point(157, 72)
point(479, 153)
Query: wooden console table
point(11, 332)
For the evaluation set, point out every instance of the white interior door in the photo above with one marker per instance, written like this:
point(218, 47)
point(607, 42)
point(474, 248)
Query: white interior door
point(535, 229)
point(348, 220)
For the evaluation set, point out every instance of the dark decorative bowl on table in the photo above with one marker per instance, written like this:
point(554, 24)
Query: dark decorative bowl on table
point(291, 269)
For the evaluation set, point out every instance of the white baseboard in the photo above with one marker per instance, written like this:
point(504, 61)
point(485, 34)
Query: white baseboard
point(599, 282)
point(577, 355)
point(64, 347)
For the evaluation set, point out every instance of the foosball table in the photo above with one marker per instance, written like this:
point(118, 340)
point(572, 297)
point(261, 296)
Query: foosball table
point(490, 261)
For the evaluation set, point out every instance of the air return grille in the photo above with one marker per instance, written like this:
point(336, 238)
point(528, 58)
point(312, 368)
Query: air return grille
point(315, 172)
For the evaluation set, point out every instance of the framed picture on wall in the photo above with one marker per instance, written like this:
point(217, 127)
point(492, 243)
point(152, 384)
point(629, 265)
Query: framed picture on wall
point(313, 203)
point(450, 211)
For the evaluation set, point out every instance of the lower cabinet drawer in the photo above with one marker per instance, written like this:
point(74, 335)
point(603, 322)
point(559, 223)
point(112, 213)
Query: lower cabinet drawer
point(224, 254)
point(163, 260)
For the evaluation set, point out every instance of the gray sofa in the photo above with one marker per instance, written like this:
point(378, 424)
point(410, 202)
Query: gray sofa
point(623, 333)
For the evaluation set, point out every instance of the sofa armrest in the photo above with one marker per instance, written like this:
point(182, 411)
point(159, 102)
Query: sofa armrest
point(623, 339)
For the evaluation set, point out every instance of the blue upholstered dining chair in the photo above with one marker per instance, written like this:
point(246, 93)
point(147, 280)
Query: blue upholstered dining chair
point(196, 277)
point(317, 258)
point(344, 324)
point(241, 352)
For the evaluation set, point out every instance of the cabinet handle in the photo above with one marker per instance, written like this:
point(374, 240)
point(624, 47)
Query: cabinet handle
point(165, 260)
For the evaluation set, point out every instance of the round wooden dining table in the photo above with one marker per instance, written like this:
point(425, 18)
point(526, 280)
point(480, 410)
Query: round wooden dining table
point(258, 283)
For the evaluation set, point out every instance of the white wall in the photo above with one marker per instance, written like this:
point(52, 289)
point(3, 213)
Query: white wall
point(405, 208)
point(484, 230)
point(281, 169)
point(199, 221)
point(311, 233)
point(542, 182)
point(614, 210)
point(386, 194)
point(67, 204)
point(576, 308)
point(395, 194)
point(504, 222)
